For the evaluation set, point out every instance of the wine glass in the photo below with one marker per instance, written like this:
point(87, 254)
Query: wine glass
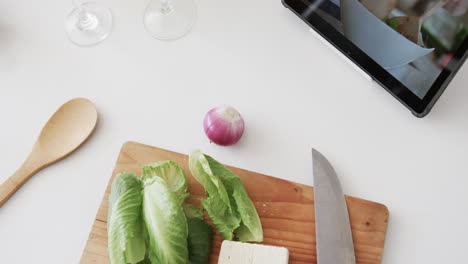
point(88, 23)
point(169, 19)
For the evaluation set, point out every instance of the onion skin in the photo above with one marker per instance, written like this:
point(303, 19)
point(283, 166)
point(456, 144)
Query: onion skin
point(223, 125)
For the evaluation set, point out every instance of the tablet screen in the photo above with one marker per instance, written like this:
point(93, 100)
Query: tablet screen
point(411, 39)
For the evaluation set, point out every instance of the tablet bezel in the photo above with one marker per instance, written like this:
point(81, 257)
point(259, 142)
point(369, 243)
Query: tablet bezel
point(419, 107)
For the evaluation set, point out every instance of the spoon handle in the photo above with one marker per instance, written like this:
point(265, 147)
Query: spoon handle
point(21, 176)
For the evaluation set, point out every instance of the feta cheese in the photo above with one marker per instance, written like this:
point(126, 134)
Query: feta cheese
point(244, 253)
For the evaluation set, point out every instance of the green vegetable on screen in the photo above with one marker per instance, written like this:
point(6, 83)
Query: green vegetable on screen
point(125, 226)
point(392, 22)
point(227, 203)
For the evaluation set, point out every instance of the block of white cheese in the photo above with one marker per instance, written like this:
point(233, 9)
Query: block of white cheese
point(244, 253)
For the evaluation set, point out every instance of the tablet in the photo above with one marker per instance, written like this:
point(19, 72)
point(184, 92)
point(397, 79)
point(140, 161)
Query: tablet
point(413, 48)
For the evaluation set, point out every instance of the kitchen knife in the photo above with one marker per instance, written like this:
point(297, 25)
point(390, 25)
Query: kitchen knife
point(333, 232)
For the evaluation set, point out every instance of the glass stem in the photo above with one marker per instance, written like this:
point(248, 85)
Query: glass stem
point(87, 21)
point(166, 6)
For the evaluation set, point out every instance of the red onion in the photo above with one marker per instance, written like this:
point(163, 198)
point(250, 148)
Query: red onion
point(223, 125)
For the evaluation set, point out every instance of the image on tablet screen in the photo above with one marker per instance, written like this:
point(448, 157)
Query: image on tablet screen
point(412, 39)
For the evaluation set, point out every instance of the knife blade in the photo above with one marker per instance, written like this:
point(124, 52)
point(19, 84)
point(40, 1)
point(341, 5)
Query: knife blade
point(332, 228)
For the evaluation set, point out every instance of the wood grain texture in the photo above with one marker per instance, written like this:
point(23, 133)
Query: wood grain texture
point(286, 210)
point(66, 130)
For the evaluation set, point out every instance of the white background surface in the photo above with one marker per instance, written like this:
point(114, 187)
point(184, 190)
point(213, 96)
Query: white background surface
point(293, 91)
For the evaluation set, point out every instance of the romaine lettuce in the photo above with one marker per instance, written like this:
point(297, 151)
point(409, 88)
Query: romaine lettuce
point(171, 173)
point(193, 211)
point(200, 233)
point(228, 204)
point(125, 226)
point(218, 204)
point(149, 221)
point(165, 222)
point(199, 240)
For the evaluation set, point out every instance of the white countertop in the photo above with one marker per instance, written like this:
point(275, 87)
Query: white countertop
point(294, 92)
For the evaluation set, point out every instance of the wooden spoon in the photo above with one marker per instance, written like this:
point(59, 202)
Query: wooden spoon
point(65, 131)
point(410, 26)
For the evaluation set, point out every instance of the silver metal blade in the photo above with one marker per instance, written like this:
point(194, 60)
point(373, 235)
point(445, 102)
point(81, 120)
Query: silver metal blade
point(332, 228)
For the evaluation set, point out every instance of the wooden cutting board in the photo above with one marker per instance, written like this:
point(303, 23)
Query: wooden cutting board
point(286, 210)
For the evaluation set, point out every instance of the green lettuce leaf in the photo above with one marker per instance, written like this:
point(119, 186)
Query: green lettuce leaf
point(200, 234)
point(392, 22)
point(124, 224)
point(201, 170)
point(193, 211)
point(199, 240)
point(228, 204)
point(171, 173)
point(145, 261)
point(250, 228)
point(219, 206)
point(224, 221)
point(165, 222)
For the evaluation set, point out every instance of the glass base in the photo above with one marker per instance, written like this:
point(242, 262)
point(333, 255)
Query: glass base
point(169, 19)
point(88, 24)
